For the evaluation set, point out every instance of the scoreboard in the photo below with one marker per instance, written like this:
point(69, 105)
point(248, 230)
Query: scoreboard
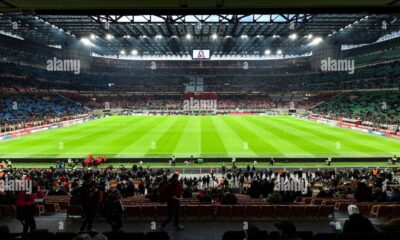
point(201, 54)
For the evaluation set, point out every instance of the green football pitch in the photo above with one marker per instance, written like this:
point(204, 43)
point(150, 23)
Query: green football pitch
point(200, 136)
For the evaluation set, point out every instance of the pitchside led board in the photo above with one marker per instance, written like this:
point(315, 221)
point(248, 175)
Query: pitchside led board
point(201, 54)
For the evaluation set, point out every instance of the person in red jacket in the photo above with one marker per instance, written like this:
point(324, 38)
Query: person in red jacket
point(170, 192)
point(25, 204)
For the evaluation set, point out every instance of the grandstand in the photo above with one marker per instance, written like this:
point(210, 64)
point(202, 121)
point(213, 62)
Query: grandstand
point(250, 120)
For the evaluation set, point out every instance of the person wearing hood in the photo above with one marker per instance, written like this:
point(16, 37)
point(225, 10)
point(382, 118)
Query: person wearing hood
point(357, 222)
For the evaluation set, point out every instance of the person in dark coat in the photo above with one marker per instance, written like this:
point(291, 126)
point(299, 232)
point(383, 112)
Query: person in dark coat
point(113, 210)
point(89, 200)
point(25, 204)
point(170, 193)
point(357, 222)
point(363, 193)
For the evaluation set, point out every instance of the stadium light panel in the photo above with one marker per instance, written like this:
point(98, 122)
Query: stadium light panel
point(244, 36)
point(134, 52)
point(86, 42)
point(267, 52)
point(109, 36)
point(188, 36)
point(309, 36)
point(214, 36)
point(316, 41)
point(92, 36)
point(158, 36)
point(279, 52)
point(293, 36)
point(122, 52)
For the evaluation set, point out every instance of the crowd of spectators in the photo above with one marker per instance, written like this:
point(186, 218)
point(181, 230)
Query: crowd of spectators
point(21, 110)
point(375, 107)
point(104, 190)
point(365, 184)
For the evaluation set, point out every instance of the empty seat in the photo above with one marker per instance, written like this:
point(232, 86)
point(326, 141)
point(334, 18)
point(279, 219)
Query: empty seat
point(282, 211)
point(148, 212)
point(238, 212)
point(267, 212)
point(223, 213)
point(191, 212)
point(252, 212)
point(133, 212)
point(39, 210)
point(317, 201)
point(162, 211)
point(297, 212)
point(325, 212)
point(385, 211)
point(8, 211)
point(51, 207)
point(311, 212)
point(206, 212)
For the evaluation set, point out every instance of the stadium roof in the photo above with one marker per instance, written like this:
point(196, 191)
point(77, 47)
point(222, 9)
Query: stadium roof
point(183, 6)
point(226, 27)
point(180, 34)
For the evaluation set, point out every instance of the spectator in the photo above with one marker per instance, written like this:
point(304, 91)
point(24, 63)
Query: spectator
point(113, 210)
point(363, 193)
point(25, 204)
point(89, 199)
point(357, 222)
point(170, 193)
point(274, 198)
point(395, 195)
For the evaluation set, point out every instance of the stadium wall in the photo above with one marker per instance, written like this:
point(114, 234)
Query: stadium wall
point(36, 129)
point(353, 126)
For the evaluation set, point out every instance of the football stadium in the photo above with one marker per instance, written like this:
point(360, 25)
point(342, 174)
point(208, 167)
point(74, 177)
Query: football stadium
point(188, 119)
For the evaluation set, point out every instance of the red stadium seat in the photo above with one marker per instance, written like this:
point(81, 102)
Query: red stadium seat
point(206, 212)
point(325, 212)
point(282, 211)
point(311, 212)
point(238, 212)
point(74, 211)
point(252, 212)
point(297, 211)
point(52, 207)
point(8, 211)
point(39, 210)
point(191, 212)
point(148, 212)
point(133, 212)
point(223, 213)
point(317, 201)
point(267, 212)
point(162, 211)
